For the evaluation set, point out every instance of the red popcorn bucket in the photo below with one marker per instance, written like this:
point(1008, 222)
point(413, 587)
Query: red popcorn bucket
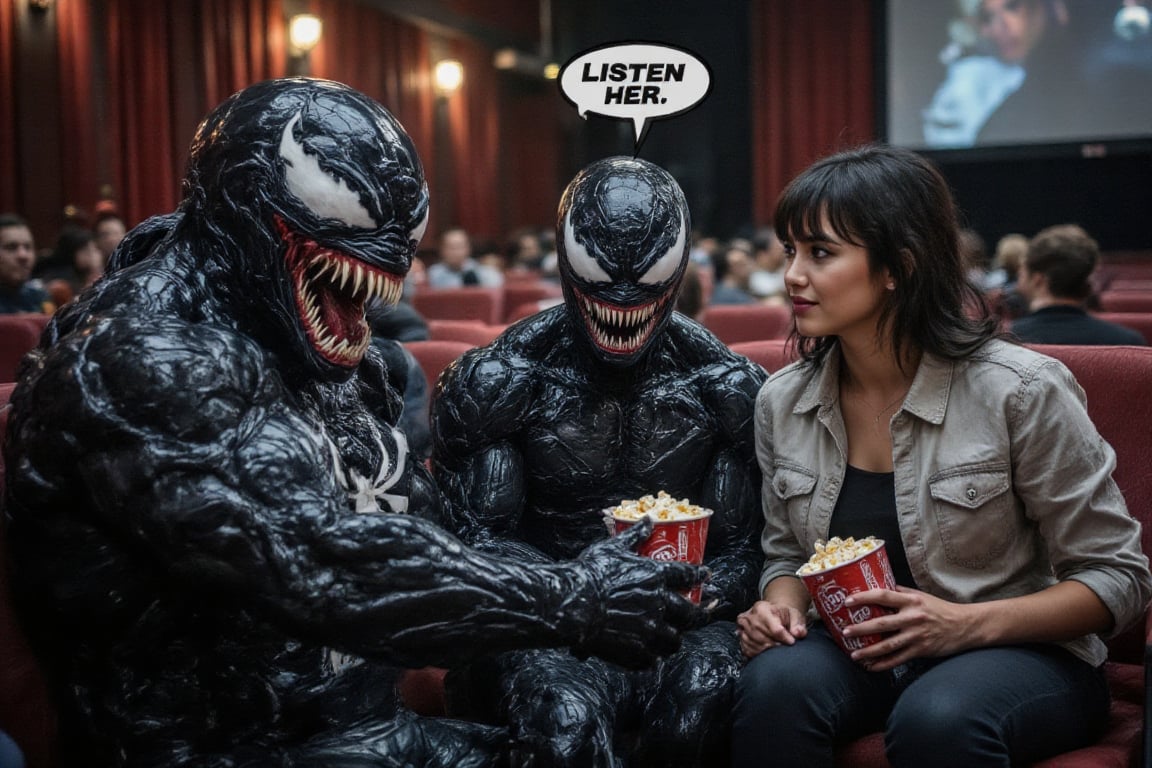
point(832, 586)
point(679, 540)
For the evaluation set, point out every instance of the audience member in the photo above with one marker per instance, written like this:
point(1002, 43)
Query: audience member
point(17, 258)
point(690, 301)
point(733, 268)
point(1056, 279)
point(457, 268)
point(525, 251)
point(109, 229)
point(975, 255)
point(767, 281)
point(75, 263)
point(1006, 260)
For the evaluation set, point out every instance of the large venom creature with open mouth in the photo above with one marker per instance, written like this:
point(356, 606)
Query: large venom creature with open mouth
point(204, 466)
point(608, 397)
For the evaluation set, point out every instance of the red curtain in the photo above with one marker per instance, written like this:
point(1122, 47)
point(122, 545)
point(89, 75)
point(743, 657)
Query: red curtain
point(474, 128)
point(243, 42)
point(9, 157)
point(812, 88)
point(168, 64)
point(78, 152)
point(136, 77)
point(139, 130)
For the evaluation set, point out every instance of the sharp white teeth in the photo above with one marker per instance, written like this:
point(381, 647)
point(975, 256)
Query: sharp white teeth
point(373, 285)
point(389, 290)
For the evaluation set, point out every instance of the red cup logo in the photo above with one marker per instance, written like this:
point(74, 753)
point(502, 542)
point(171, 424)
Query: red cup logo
point(665, 550)
point(832, 597)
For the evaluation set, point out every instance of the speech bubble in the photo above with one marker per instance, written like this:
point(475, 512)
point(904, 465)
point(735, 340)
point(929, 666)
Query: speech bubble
point(635, 81)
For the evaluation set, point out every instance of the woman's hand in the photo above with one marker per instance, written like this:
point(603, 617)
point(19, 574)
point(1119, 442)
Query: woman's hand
point(922, 626)
point(768, 624)
point(926, 626)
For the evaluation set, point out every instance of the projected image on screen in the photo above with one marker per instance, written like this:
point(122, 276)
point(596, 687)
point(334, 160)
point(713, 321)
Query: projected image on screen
point(979, 73)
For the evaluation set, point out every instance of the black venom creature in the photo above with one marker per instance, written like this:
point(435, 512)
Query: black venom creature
point(204, 478)
point(609, 396)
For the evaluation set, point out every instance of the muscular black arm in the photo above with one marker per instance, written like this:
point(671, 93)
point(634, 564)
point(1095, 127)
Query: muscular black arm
point(195, 455)
point(732, 488)
point(481, 404)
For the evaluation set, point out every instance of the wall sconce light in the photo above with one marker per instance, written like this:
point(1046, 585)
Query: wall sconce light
point(448, 76)
point(304, 31)
point(40, 5)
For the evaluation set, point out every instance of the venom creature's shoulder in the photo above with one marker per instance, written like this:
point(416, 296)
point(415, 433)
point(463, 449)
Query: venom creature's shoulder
point(490, 390)
point(153, 373)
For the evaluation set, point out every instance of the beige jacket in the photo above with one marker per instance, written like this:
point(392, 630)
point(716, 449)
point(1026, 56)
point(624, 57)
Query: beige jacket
point(1003, 485)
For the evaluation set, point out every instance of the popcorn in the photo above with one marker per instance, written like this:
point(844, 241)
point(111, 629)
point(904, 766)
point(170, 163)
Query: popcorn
point(837, 551)
point(662, 506)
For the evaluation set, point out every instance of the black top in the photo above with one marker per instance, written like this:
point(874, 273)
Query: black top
point(867, 507)
point(1065, 324)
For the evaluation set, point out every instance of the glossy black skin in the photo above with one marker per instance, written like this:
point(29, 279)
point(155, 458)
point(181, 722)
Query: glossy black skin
point(540, 431)
point(185, 557)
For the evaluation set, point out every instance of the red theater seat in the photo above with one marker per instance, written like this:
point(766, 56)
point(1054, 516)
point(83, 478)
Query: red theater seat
point(1126, 301)
point(472, 303)
point(516, 295)
point(435, 356)
point(735, 323)
point(472, 331)
point(531, 308)
point(19, 334)
point(1137, 321)
point(770, 354)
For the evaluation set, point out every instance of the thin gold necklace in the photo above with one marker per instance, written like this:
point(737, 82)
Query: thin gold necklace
point(882, 411)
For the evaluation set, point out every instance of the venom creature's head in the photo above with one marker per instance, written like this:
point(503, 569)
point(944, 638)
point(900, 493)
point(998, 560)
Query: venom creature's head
point(622, 239)
point(313, 198)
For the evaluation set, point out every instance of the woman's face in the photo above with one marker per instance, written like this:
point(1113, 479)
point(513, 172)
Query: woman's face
point(1013, 26)
point(833, 291)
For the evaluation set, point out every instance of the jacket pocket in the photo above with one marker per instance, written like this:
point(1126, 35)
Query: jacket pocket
point(974, 512)
point(793, 485)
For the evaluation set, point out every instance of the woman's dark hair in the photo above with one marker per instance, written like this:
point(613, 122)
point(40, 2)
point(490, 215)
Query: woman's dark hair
point(895, 204)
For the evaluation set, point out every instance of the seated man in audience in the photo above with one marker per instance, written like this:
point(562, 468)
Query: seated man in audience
point(1055, 279)
point(17, 257)
point(609, 396)
point(456, 267)
point(733, 267)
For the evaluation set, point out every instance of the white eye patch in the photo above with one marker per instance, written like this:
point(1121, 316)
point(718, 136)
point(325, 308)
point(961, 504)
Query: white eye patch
point(663, 270)
point(326, 196)
point(417, 233)
point(582, 263)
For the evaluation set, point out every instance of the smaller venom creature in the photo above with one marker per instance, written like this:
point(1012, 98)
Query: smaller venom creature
point(203, 471)
point(610, 396)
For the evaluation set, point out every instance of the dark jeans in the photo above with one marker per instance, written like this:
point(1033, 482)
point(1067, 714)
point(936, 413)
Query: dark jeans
point(988, 707)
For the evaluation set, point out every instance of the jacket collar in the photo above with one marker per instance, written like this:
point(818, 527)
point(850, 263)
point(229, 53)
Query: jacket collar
point(927, 398)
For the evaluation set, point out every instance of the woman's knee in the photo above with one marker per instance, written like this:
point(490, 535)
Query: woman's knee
point(935, 720)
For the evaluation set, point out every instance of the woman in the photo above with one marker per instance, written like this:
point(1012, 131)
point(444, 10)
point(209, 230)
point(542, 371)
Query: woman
point(973, 458)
